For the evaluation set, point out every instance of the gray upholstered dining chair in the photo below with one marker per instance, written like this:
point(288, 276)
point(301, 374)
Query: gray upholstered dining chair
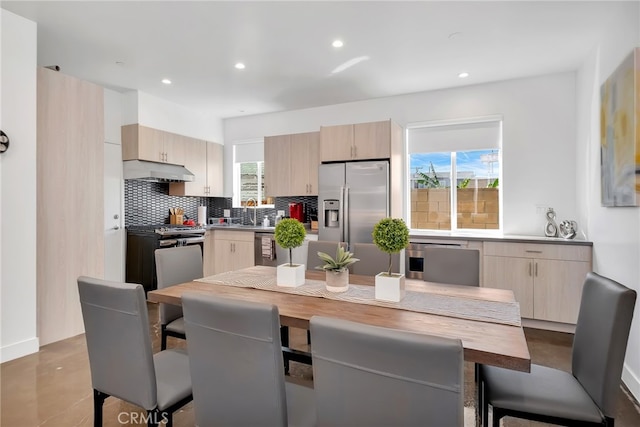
point(173, 266)
point(373, 260)
point(237, 368)
point(456, 266)
point(372, 376)
point(316, 246)
point(121, 359)
point(587, 395)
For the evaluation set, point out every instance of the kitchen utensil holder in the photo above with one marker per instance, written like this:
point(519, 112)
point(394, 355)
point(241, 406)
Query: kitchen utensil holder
point(176, 219)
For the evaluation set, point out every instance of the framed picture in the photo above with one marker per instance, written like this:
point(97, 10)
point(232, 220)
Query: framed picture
point(620, 134)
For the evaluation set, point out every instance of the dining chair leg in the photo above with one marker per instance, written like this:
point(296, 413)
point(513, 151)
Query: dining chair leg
point(479, 400)
point(98, 399)
point(163, 337)
point(497, 415)
point(284, 338)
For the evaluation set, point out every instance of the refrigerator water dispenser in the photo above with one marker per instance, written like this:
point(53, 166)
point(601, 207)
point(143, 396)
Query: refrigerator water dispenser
point(331, 216)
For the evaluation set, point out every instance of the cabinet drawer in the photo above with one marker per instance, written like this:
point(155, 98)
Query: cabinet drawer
point(539, 250)
point(238, 236)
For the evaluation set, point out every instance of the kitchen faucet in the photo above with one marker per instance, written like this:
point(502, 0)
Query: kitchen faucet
point(255, 206)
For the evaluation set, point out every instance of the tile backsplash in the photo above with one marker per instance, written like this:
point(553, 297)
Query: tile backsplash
point(148, 203)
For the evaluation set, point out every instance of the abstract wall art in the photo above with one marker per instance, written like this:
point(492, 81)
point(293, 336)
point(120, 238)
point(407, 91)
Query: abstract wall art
point(620, 134)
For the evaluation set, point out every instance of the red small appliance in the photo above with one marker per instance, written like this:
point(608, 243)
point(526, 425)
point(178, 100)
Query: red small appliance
point(296, 211)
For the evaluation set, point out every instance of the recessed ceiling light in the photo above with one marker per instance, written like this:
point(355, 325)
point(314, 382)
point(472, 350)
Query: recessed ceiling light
point(240, 66)
point(337, 43)
point(166, 81)
point(463, 75)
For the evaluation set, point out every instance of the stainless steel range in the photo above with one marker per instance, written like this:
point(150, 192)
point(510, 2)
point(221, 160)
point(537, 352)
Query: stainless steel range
point(142, 241)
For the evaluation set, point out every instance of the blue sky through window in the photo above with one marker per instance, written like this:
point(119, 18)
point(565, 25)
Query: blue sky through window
point(482, 163)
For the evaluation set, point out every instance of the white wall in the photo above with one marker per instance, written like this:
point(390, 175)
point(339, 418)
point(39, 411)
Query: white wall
point(158, 113)
point(18, 187)
point(539, 136)
point(615, 232)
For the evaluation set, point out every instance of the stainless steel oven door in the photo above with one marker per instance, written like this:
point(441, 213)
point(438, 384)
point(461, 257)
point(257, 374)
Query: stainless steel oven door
point(414, 262)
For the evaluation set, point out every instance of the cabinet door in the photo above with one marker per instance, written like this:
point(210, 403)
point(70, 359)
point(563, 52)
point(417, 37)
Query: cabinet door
point(174, 148)
point(277, 161)
point(313, 159)
point(515, 274)
point(196, 162)
point(372, 140)
point(558, 289)
point(336, 143)
point(214, 169)
point(304, 164)
point(208, 252)
point(242, 254)
point(150, 144)
point(223, 255)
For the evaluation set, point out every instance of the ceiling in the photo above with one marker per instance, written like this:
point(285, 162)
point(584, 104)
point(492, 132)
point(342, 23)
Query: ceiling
point(393, 47)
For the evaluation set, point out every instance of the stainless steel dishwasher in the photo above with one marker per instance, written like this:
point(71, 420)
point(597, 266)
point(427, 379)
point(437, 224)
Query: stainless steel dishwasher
point(264, 248)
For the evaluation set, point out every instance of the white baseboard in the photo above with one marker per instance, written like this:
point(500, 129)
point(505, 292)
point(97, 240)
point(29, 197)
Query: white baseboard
point(631, 381)
point(549, 326)
point(19, 349)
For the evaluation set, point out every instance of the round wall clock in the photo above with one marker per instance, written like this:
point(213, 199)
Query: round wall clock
point(4, 142)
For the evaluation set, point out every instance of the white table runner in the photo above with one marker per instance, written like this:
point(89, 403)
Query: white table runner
point(507, 313)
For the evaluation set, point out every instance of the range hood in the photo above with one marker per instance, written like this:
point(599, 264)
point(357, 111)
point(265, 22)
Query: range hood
point(155, 172)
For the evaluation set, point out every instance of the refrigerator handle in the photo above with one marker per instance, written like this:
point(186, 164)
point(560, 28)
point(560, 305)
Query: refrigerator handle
point(345, 214)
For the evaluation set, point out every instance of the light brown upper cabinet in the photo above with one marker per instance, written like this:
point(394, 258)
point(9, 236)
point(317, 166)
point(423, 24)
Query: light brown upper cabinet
point(204, 160)
point(361, 141)
point(145, 143)
point(291, 164)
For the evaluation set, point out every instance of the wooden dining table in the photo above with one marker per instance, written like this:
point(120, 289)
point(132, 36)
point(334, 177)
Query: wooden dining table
point(484, 342)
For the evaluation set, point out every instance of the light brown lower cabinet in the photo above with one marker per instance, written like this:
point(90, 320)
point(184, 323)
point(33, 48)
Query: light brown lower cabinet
point(546, 279)
point(232, 250)
point(208, 254)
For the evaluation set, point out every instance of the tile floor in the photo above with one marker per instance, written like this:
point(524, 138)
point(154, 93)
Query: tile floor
point(52, 388)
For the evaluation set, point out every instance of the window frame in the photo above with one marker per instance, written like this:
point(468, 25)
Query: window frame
point(453, 197)
point(236, 200)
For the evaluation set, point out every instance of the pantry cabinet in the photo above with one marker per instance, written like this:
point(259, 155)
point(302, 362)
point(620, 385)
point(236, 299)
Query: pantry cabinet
point(361, 141)
point(291, 164)
point(233, 250)
point(154, 145)
point(546, 279)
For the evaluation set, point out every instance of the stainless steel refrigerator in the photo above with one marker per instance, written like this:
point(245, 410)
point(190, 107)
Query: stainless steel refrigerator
point(352, 198)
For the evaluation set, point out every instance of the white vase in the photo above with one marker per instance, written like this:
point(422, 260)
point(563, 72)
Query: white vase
point(290, 275)
point(337, 281)
point(389, 287)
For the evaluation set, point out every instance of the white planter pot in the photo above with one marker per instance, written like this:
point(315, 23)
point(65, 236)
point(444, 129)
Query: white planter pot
point(389, 288)
point(290, 275)
point(337, 282)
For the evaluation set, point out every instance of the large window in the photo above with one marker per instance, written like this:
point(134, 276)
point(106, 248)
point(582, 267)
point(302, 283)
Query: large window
point(454, 175)
point(248, 175)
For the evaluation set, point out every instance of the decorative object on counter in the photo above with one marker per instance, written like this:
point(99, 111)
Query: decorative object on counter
point(390, 235)
point(289, 234)
point(568, 229)
point(551, 229)
point(4, 142)
point(337, 269)
point(266, 222)
point(202, 215)
point(176, 216)
point(620, 135)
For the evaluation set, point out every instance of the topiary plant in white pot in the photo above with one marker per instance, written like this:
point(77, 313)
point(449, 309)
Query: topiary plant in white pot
point(390, 235)
point(289, 233)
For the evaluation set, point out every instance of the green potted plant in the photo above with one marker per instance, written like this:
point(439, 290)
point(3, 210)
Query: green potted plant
point(289, 233)
point(390, 235)
point(337, 269)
